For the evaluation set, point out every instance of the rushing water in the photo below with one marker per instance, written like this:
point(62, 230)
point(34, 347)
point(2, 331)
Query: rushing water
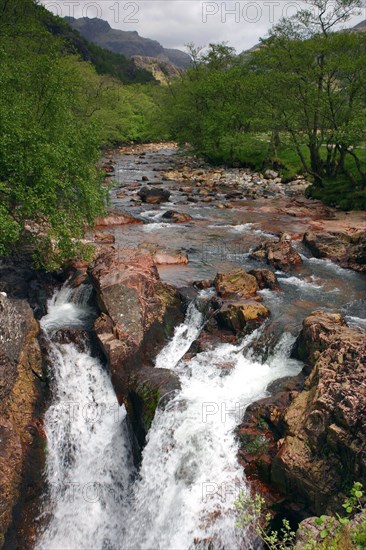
point(189, 476)
point(183, 494)
point(89, 464)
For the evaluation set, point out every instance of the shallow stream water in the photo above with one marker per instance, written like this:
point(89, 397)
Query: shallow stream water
point(182, 495)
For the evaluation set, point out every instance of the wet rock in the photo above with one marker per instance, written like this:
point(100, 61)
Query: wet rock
point(349, 251)
point(177, 217)
point(280, 254)
point(164, 256)
point(154, 195)
point(233, 195)
point(20, 389)
point(203, 284)
point(78, 337)
point(242, 316)
point(149, 389)
point(317, 434)
point(77, 273)
point(115, 217)
point(265, 279)
point(235, 283)
point(139, 312)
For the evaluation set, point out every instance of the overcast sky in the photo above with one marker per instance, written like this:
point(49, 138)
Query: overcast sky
point(174, 23)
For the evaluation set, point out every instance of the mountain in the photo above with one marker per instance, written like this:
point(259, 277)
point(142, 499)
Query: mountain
point(128, 43)
point(360, 27)
point(105, 61)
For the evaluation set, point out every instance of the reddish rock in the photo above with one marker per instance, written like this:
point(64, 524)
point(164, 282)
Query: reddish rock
point(77, 272)
point(279, 253)
point(102, 237)
point(164, 256)
point(265, 279)
point(235, 283)
point(349, 251)
point(242, 316)
point(139, 311)
point(155, 195)
point(315, 437)
point(115, 217)
point(20, 390)
point(177, 217)
point(204, 283)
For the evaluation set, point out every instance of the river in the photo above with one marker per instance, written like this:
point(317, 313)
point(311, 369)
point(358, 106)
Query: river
point(182, 494)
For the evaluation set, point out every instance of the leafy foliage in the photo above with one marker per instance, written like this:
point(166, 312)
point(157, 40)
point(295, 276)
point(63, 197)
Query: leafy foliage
point(55, 113)
point(301, 94)
point(336, 532)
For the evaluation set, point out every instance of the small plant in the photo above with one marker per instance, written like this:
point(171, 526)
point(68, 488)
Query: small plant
point(251, 517)
point(335, 532)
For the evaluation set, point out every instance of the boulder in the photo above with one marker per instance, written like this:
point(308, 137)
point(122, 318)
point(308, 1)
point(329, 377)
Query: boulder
point(77, 272)
point(316, 434)
point(164, 256)
point(139, 311)
point(177, 217)
point(155, 195)
point(149, 388)
point(348, 251)
point(318, 332)
point(235, 283)
point(280, 254)
point(203, 284)
point(265, 279)
point(115, 217)
point(242, 316)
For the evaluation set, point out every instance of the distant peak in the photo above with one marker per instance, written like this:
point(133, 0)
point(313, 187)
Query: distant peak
point(98, 25)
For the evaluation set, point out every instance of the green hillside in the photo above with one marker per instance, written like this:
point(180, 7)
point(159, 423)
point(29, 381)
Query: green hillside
point(105, 61)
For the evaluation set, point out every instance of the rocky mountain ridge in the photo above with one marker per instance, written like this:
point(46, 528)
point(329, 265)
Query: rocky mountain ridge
point(128, 43)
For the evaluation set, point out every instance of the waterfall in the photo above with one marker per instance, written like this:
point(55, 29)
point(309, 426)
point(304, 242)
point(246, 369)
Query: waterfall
point(184, 494)
point(89, 463)
point(190, 476)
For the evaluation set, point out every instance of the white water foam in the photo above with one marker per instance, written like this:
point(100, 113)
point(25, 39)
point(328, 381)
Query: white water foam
point(354, 321)
point(301, 283)
point(155, 226)
point(189, 477)
point(242, 228)
point(89, 464)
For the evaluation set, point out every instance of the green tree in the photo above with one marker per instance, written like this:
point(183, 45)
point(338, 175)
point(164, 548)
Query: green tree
point(323, 74)
point(50, 188)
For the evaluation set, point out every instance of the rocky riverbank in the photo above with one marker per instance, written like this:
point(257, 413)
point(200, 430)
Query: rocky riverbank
point(21, 388)
point(305, 446)
point(256, 246)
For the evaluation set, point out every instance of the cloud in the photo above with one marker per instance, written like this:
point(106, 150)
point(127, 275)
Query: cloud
point(174, 23)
